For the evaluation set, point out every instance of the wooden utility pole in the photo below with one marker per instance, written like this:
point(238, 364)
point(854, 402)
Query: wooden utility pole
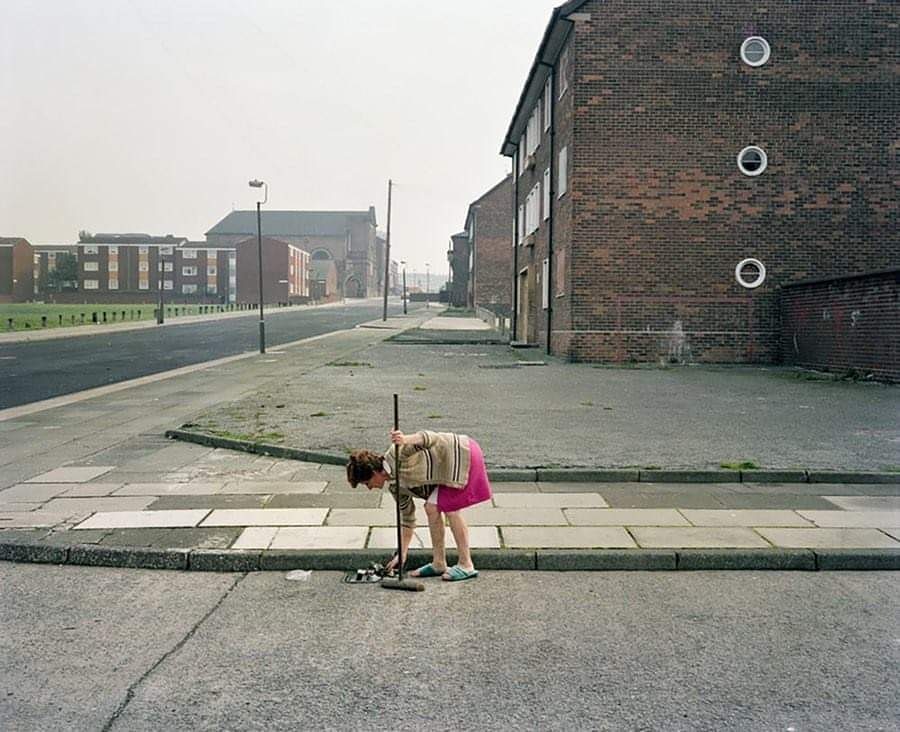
point(387, 253)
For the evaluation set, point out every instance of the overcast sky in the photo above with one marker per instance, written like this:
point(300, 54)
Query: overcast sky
point(151, 115)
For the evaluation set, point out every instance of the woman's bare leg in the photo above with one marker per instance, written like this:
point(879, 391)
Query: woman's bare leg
point(436, 529)
point(461, 535)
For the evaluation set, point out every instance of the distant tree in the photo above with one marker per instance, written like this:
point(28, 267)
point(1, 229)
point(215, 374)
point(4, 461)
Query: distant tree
point(84, 235)
point(65, 275)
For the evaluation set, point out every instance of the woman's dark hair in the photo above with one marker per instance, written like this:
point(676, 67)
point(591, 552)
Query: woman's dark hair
point(362, 465)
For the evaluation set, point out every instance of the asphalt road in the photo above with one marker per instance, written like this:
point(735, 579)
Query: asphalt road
point(99, 648)
point(32, 371)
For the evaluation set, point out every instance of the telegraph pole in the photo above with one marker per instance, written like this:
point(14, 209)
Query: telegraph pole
point(387, 253)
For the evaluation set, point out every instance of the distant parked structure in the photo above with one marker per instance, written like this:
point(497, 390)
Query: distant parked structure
point(347, 238)
point(676, 164)
point(16, 269)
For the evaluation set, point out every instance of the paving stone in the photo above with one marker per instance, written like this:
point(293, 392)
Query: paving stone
point(72, 474)
point(144, 519)
point(791, 501)
point(712, 489)
point(481, 537)
point(321, 537)
point(170, 538)
point(89, 505)
point(31, 535)
point(365, 517)
point(67, 536)
point(255, 537)
point(829, 538)
point(91, 490)
point(33, 493)
point(730, 559)
point(218, 501)
point(587, 487)
point(894, 533)
point(744, 518)
point(32, 519)
point(549, 500)
point(633, 499)
point(698, 538)
point(266, 517)
point(334, 500)
point(625, 517)
point(853, 519)
point(858, 559)
point(852, 503)
point(515, 487)
point(169, 489)
point(272, 487)
point(612, 537)
point(487, 516)
point(562, 560)
point(18, 506)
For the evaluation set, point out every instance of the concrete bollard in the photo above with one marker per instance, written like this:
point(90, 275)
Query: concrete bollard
point(43, 321)
point(94, 318)
point(104, 316)
point(60, 319)
point(9, 323)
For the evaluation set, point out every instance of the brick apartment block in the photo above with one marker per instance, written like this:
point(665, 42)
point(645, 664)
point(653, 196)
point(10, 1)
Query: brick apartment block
point(458, 256)
point(16, 269)
point(491, 247)
point(346, 237)
point(286, 271)
point(631, 211)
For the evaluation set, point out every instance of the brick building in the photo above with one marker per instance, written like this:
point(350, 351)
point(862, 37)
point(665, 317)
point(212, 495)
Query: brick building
point(286, 271)
point(16, 270)
point(345, 237)
point(491, 249)
point(659, 146)
point(130, 267)
point(45, 258)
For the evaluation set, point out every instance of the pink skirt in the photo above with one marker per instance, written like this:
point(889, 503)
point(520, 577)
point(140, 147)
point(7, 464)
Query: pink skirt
point(476, 489)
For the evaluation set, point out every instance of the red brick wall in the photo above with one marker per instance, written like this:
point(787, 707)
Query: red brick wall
point(661, 214)
point(492, 266)
point(849, 324)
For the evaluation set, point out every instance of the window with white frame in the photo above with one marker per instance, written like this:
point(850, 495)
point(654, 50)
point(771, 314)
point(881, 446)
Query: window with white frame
point(168, 266)
point(548, 90)
point(143, 250)
point(563, 82)
point(521, 222)
point(188, 271)
point(113, 265)
point(188, 289)
point(533, 132)
point(211, 270)
point(521, 152)
point(143, 266)
point(211, 289)
point(545, 284)
point(168, 285)
point(533, 210)
point(165, 250)
point(91, 250)
point(188, 253)
point(143, 284)
point(114, 250)
point(92, 284)
point(562, 172)
point(113, 284)
point(546, 194)
point(91, 266)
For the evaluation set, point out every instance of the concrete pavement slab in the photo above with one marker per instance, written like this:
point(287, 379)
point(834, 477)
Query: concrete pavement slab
point(697, 538)
point(566, 537)
point(787, 501)
point(32, 519)
point(480, 537)
point(90, 505)
point(852, 519)
point(332, 500)
point(33, 493)
point(168, 489)
point(215, 501)
point(830, 538)
point(550, 500)
point(481, 516)
point(363, 517)
point(72, 474)
point(321, 537)
point(219, 538)
point(894, 533)
point(89, 490)
point(498, 486)
point(17, 506)
point(625, 517)
point(266, 517)
point(854, 503)
point(272, 487)
point(745, 518)
point(255, 537)
point(144, 519)
point(628, 498)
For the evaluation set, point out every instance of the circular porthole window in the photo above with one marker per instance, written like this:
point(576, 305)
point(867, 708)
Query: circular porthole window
point(755, 51)
point(750, 273)
point(752, 160)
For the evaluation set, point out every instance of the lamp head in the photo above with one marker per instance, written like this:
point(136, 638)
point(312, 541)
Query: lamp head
point(256, 183)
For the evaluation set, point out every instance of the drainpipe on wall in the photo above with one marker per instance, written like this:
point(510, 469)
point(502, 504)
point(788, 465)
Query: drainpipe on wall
point(515, 272)
point(550, 294)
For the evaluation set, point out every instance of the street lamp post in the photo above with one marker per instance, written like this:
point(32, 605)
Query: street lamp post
point(403, 264)
point(262, 323)
point(159, 263)
point(427, 285)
